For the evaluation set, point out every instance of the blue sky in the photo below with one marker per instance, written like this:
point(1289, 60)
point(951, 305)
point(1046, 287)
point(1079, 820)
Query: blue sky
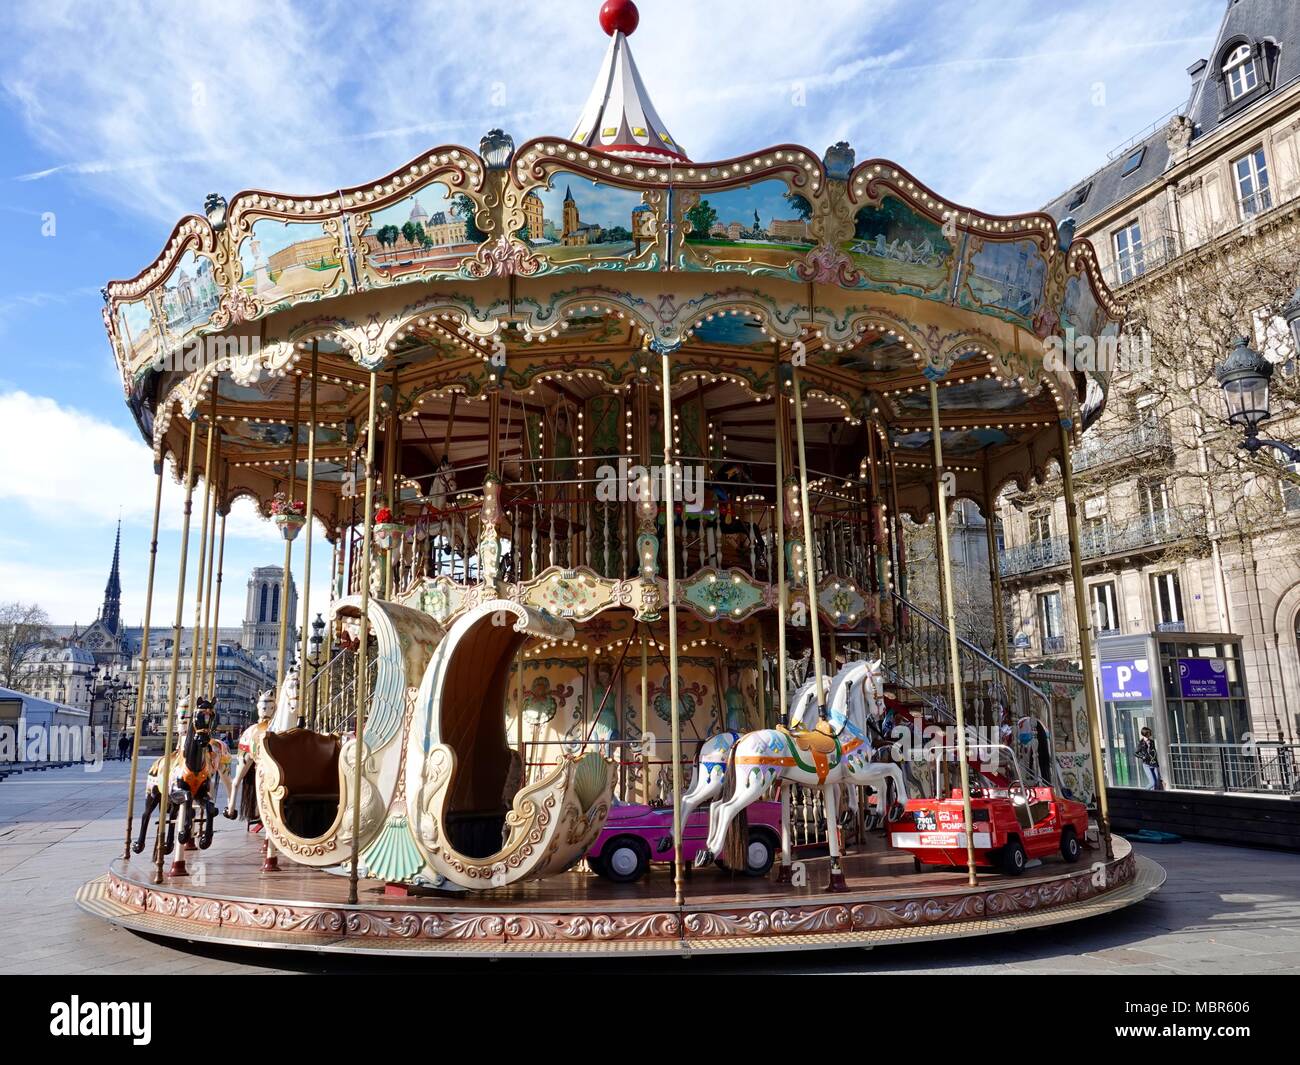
point(116, 120)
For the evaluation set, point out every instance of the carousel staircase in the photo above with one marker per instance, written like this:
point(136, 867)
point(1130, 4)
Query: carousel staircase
point(919, 664)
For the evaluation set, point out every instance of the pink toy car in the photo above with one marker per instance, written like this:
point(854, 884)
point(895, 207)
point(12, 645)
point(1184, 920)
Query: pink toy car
point(636, 835)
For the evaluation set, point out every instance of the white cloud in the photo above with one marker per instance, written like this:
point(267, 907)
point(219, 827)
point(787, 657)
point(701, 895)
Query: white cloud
point(67, 477)
point(987, 102)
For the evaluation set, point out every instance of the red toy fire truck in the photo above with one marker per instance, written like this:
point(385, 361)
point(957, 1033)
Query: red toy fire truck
point(1012, 821)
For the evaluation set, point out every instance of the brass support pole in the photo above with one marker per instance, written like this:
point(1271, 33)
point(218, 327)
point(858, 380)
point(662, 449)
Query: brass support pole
point(197, 649)
point(950, 619)
point(283, 650)
point(519, 718)
point(645, 717)
point(1085, 646)
point(783, 698)
point(303, 663)
point(809, 560)
point(216, 606)
point(670, 543)
point(176, 645)
point(144, 657)
point(362, 665)
point(208, 627)
point(995, 574)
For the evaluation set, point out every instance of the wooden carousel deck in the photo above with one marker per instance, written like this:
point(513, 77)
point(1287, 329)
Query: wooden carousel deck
point(227, 899)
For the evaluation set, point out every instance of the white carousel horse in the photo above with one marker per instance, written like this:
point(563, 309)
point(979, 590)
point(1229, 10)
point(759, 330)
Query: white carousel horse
point(192, 772)
point(286, 705)
point(243, 786)
point(836, 751)
point(711, 762)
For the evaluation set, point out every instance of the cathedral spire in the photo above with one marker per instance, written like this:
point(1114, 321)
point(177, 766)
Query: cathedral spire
point(111, 612)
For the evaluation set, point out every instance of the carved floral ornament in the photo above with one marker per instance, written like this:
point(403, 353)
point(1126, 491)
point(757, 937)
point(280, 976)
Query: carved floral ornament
point(628, 925)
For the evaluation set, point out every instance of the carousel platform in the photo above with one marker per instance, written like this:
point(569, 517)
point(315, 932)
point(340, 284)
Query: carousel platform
point(226, 899)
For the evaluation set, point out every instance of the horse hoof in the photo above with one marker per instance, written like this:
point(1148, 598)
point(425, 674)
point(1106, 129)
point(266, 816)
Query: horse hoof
point(704, 858)
point(665, 843)
point(230, 815)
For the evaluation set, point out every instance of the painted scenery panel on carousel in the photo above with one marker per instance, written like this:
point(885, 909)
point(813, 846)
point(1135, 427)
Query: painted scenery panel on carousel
point(136, 334)
point(574, 220)
point(190, 295)
point(289, 262)
point(1081, 310)
point(894, 246)
point(427, 234)
point(1006, 276)
point(955, 441)
point(758, 228)
point(980, 397)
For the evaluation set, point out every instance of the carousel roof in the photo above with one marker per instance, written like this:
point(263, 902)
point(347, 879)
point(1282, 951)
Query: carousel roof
point(619, 117)
point(570, 258)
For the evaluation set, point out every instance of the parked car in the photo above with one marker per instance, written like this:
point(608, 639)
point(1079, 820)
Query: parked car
point(635, 835)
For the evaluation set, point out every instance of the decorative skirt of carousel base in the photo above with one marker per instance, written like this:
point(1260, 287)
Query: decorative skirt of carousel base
point(228, 899)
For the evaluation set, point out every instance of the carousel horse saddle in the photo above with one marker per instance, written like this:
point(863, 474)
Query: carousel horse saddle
point(817, 740)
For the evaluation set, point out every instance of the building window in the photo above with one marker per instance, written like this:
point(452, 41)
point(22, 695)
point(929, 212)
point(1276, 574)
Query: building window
point(1128, 252)
point(1105, 608)
point(1167, 595)
point(1153, 505)
point(1040, 525)
point(1133, 161)
point(1080, 195)
point(1049, 622)
point(1239, 72)
point(1291, 489)
point(1251, 174)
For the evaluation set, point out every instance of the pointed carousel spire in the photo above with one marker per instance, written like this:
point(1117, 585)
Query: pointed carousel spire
point(619, 117)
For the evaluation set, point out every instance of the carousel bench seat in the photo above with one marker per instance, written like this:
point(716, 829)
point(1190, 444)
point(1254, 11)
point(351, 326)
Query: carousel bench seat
point(476, 833)
point(309, 773)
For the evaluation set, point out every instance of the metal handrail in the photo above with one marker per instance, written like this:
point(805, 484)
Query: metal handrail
point(1014, 680)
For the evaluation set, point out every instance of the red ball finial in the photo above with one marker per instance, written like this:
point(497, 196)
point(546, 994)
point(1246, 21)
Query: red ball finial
point(619, 16)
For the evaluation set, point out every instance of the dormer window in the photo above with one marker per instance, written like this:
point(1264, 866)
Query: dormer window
point(1080, 195)
point(1239, 73)
point(1133, 161)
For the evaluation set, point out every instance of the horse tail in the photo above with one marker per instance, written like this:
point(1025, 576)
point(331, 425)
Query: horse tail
point(735, 848)
point(248, 796)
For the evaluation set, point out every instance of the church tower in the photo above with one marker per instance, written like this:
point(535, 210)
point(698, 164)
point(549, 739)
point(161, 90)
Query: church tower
point(261, 630)
point(111, 612)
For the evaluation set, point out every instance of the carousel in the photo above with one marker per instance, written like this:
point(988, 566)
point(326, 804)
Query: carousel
point(611, 454)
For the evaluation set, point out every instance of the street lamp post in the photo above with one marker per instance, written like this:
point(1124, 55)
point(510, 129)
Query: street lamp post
point(1244, 377)
point(110, 690)
point(314, 661)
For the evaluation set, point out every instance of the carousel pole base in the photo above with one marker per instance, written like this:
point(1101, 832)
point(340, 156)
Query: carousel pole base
point(177, 868)
point(271, 864)
point(784, 874)
point(836, 883)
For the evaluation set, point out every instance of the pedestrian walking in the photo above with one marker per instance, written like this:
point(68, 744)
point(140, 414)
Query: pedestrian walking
point(1149, 759)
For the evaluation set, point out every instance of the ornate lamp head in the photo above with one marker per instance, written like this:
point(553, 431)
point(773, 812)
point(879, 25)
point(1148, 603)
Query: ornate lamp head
point(1244, 377)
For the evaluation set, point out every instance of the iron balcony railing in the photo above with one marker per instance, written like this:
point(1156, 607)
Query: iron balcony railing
point(1265, 768)
point(1142, 439)
point(1106, 538)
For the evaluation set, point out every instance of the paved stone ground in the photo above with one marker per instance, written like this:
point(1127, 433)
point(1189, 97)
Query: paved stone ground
point(1223, 910)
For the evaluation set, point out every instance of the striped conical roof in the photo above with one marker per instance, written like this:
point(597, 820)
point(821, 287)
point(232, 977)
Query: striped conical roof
point(619, 116)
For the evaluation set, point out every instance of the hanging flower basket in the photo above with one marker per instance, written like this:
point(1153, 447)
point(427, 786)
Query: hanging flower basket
point(387, 529)
point(289, 515)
